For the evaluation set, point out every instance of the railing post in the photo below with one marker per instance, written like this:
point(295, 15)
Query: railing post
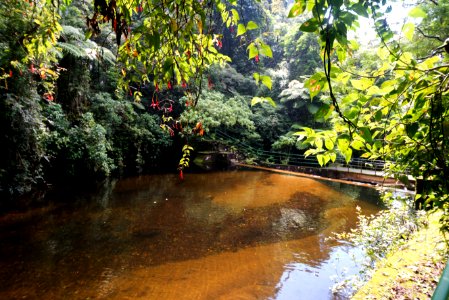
point(442, 290)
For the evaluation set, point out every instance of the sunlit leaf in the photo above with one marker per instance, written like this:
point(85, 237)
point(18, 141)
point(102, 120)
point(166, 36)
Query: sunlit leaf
point(241, 29)
point(319, 143)
point(297, 9)
point(383, 53)
point(357, 144)
point(251, 25)
point(408, 30)
point(329, 144)
point(266, 80)
point(235, 15)
point(362, 84)
point(256, 77)
point(417, 12)
point(257, 100)
point(253, 51)
point(265, 50)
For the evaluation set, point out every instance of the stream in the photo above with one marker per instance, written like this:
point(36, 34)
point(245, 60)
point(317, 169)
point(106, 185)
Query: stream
point(218, 235)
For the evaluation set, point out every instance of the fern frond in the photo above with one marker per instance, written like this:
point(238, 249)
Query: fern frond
point(70, 33)
point(73, 50)
point(107, 55)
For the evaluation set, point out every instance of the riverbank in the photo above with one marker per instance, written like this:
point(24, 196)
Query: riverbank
point(413, 271)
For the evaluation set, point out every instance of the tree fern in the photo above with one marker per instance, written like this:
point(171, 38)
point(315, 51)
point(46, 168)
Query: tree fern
point(73, 50)
point(76, 45)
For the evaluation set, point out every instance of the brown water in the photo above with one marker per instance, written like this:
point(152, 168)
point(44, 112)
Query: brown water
point(224, 235)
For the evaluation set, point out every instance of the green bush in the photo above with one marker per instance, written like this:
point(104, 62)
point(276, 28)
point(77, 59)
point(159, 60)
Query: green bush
point(21, 139)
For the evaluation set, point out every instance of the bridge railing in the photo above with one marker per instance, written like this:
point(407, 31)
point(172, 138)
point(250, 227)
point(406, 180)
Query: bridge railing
point(294, 159)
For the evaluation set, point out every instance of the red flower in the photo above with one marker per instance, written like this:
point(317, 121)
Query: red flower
point(169, 85)
point(10, 73)
point(256, 58)
point(181, 175)
point(184, 84)
point(219, 44)
point(153, 104)
point(48, 97)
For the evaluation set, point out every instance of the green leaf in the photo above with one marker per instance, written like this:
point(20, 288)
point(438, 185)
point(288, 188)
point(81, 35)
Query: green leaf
point(168, 64)
point(360, 9)
point(253, 51)
point(412, 129)
point(266, 80)
point(362, 84)
point(352, 113)
point(366, 134)
point(357, 144)
point(310, 25)
point(256, 77)
point(347, 154)
point(251, 25)
point(408, 30)
point(417, 12)
point(88, 34)
point(322, 111)
point(241, 29)
point(383, 53)
point(378, 115)
point(235, 15)
point(265, 50)
point(329, 144)
point(257, 100)
point(297, 9)
point(319, 143)
point(320, 159)
point(373, 90)
point(154, 40)
point(315, 84)
point(343, 144)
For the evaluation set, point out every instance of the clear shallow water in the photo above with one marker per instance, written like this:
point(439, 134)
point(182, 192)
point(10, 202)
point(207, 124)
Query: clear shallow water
point(223, 235)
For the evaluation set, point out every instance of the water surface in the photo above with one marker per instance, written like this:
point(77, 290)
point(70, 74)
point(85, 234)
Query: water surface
point(221, 235)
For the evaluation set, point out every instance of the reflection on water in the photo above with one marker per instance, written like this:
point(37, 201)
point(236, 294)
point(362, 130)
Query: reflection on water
point(224, 235)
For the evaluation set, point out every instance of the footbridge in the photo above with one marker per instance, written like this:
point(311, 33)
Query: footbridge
point(356, 170)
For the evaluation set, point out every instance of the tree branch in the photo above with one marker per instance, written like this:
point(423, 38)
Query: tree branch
point(429, 36)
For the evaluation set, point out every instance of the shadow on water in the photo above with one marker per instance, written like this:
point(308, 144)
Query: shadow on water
point(223, 235)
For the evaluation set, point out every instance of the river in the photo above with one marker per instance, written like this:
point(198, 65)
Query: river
point(218, 235)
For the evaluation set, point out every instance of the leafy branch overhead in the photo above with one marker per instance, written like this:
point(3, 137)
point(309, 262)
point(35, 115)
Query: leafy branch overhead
point(397, 109)
point(165, 42)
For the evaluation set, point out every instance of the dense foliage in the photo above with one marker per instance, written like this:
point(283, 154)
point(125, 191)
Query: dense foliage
point(110, 95)
point(395, 109)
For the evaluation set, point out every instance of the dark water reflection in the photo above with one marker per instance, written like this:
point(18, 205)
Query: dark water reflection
point(224, 235)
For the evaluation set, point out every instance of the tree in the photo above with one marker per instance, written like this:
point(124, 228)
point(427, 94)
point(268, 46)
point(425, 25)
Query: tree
point(397, 111)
